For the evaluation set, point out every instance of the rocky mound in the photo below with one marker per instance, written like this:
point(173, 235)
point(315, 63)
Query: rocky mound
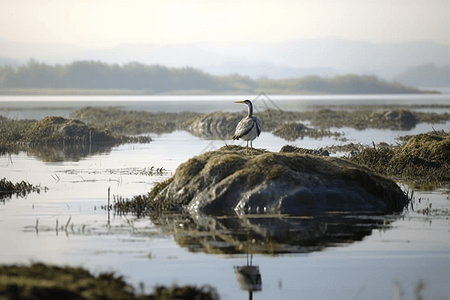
point(61, 131)
point(395, 119)
point(291, 183)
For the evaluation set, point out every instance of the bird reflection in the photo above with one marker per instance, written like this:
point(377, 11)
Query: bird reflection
point(249, 277)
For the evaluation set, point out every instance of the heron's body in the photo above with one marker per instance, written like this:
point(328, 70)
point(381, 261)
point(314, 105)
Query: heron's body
point(249, 128)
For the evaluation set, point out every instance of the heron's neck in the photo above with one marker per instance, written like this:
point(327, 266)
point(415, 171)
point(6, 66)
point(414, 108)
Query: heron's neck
point(250, 111)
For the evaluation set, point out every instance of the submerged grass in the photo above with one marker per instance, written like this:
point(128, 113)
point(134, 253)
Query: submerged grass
point(7, 188)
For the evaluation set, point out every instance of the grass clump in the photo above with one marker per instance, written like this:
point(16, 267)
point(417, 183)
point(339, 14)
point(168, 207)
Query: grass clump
point(41, 281)
point(422, 159)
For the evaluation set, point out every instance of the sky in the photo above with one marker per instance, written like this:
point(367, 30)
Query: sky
point(106, 23)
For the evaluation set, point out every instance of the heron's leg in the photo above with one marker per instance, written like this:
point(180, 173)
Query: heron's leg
point(251, 147)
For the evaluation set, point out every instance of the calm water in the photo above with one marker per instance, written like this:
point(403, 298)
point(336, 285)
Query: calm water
point(413, 247)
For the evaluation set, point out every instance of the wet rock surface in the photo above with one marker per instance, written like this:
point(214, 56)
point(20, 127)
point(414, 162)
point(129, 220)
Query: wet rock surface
point(227, 180)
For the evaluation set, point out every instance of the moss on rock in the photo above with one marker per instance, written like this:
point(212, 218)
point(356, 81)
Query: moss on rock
point(293, 183)
point(60, 131)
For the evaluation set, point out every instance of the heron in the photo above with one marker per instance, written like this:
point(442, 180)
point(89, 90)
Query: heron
point(249, 128)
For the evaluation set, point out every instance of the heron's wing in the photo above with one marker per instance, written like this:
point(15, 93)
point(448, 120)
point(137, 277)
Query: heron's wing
point(243, 127)
point(258, 125)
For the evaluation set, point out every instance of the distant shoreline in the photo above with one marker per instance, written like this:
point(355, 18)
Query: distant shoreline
point(129, 92)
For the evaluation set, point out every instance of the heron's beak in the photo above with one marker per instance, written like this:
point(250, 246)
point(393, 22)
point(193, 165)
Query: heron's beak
point(239, 101)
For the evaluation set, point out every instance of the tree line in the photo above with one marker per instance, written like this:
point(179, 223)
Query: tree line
point(155, 79)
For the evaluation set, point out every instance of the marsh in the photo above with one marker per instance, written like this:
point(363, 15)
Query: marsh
point(318, 257)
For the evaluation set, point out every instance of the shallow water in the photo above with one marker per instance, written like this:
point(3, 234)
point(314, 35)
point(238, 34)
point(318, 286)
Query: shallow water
point(407, 249)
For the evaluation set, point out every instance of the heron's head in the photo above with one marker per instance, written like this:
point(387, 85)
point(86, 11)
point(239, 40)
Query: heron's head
point(246, 102)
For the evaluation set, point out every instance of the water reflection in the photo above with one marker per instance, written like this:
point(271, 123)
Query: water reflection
point(67, 153)
point(249, 277)
point(266, 234)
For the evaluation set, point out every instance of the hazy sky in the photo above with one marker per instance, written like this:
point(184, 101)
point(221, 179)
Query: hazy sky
point(105, 23)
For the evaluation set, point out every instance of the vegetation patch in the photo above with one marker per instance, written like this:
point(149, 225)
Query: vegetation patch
point(61, 131)
point(7, 188)
point(124, 122)
point(54, 138)
point(422, 159)
point(293, 131)
point(41, 281)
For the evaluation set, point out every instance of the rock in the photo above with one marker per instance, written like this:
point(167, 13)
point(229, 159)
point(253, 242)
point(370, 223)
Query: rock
point(215, 125)
point(227, 180)
point(395, 119)
point(291, 131)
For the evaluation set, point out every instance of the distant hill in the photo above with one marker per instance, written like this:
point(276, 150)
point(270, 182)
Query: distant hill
point(426, 76)
point(156, 79)
point(324, 57)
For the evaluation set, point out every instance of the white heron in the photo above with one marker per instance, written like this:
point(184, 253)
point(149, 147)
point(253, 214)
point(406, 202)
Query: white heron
point(249, 128)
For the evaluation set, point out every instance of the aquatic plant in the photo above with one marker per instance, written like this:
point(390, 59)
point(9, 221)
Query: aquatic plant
point(7, 188)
